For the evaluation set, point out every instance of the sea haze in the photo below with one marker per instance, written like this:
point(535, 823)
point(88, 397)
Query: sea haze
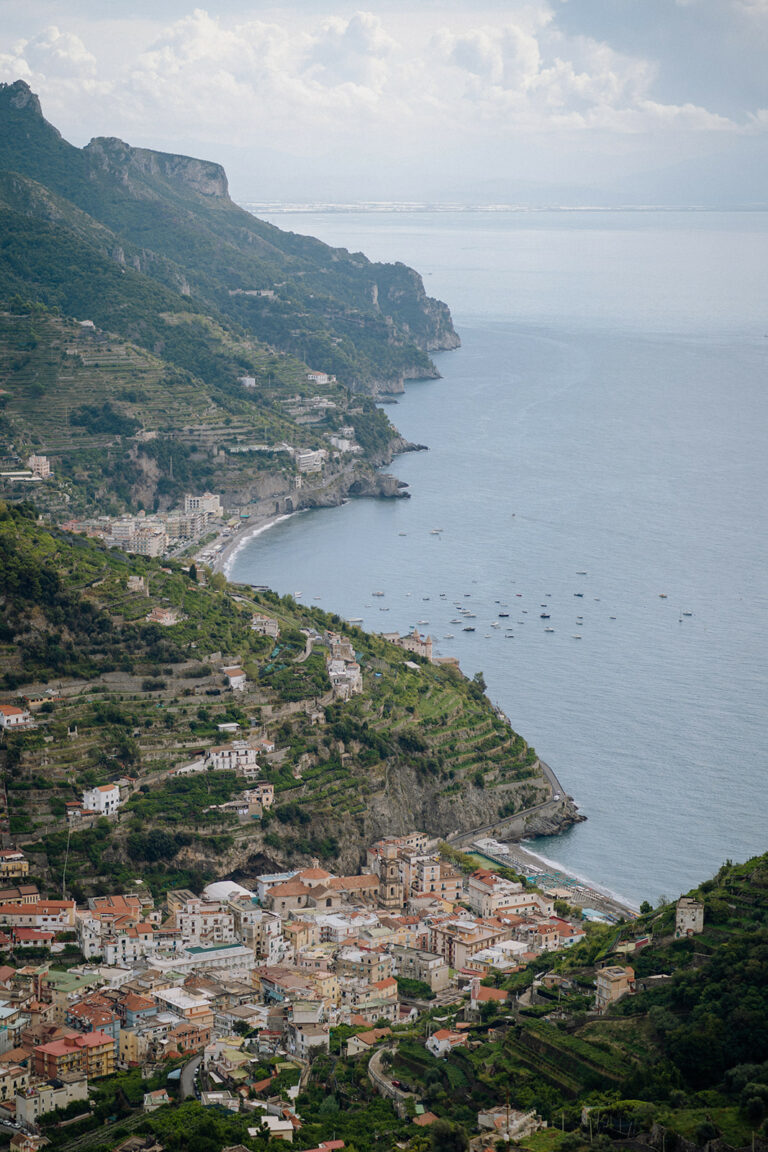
point(601, 432)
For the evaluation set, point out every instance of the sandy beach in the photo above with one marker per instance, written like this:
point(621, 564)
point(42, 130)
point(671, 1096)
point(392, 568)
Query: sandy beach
point(219, 554)
point(550, 876)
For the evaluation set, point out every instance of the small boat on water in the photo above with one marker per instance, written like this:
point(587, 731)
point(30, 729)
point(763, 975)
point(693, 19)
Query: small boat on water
point(448, 636)
point(377, 593)
point(662, 595)
point(544, 615)
point(495, 624)
point(383, 609)
point(469, 629)
point(581, 573)
point(579, 594)
point(549, 629)
point(687, 613)
point(422, 621)
point(576, 636)
point(455, 620)
point(502, 615)
point(402, 533)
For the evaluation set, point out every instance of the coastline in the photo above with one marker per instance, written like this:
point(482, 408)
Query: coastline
point(581, 891)
point(578, 890)
point(231, 545)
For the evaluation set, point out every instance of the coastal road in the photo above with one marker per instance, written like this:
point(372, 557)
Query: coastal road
point(498, 826)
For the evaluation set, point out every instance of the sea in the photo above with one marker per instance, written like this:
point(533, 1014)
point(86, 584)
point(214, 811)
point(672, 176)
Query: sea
point(594, 494)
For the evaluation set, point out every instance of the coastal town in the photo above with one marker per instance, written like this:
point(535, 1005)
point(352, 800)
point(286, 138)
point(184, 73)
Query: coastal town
point(268, 873)
point(220, 982)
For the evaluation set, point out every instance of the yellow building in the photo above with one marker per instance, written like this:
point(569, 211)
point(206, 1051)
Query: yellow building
point(611, 984)
point(13, 864)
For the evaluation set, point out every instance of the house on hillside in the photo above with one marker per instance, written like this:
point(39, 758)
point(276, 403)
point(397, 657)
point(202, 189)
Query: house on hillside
point(611, 983)
point(13, 717)
point(104, 799)
point(236, 678)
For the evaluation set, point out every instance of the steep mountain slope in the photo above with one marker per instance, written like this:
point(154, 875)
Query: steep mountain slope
point(114, 694)
point(169, 218)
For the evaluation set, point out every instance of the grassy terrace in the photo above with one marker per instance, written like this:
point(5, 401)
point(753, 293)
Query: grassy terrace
point(127, 698)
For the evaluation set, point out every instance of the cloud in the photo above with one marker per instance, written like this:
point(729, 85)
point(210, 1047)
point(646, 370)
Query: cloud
point(387, 84)
point(356, 51)
point(53, 54)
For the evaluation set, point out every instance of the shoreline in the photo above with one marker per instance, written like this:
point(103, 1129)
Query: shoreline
point(581, 891)
point(232, 545)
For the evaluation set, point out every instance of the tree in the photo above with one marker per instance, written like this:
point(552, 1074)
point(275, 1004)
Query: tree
point(447, 1137)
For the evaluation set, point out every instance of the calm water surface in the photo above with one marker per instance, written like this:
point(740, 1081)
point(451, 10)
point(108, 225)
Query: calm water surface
point(602, 432)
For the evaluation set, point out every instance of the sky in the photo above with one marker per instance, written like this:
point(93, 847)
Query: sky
point(491, 101)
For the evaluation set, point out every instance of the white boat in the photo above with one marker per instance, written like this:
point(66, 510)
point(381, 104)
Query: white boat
point(448, 636)
point(377, 593)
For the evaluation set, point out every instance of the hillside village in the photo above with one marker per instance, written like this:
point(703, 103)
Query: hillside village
point(238, 976)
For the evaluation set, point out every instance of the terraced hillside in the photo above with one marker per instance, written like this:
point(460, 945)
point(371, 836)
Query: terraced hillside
point(117, 697)
point(123, 427)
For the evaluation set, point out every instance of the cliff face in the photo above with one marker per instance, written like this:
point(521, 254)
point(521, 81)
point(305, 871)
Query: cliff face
point(131, 165)
point(406, 801)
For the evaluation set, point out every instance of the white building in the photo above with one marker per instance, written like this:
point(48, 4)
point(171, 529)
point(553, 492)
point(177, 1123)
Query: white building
point(104, 799)
point(236, 678)
point(235, 757)
point(201, 922)
point(208, 502)
point(233, 960)
point(43, 1098)
point(308, 460)
point(13, 717)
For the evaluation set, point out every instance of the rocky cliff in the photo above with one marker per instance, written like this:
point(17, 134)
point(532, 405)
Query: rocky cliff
point(125, 164)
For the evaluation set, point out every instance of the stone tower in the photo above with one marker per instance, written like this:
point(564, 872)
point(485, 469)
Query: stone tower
point(689, 917)
point(391, 892)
